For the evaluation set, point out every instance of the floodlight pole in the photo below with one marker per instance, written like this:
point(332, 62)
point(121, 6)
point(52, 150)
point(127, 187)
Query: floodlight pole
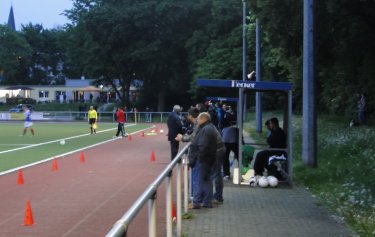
point(309, 132)
point(242, 105)
point(258, 70)
point(244, 45)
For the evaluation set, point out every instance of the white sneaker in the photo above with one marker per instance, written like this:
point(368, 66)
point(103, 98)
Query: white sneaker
point(254, 181)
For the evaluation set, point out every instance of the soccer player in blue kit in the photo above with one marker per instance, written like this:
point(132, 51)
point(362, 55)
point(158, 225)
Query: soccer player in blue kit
point(28, 121)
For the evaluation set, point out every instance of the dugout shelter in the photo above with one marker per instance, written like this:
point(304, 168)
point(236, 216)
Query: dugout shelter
point(248, 87)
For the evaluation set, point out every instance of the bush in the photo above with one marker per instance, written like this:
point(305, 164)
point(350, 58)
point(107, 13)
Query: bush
point(19, 100)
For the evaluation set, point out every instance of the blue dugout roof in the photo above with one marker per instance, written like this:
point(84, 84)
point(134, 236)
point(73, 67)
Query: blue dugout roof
point(250, 85)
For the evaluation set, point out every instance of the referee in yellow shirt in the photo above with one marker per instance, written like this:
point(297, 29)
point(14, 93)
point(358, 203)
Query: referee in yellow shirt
point(93, 118)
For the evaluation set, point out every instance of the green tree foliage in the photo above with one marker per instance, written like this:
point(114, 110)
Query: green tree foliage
point(169, 43)
point(46, 62)
point(215, 47)
point(128, 40)
point(15, 54)
point(344, 48)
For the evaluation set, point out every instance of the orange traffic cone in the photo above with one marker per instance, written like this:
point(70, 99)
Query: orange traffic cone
point(82, 157)
point(152, 156)
point(54, 165)
point(129, 137)
point(20, 178)
point(174, 214)
point(29, 220)
point(142, 134)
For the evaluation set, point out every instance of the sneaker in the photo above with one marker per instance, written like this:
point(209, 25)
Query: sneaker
point(253, 181)
point(192, 206)
point(207, 206)
point(216, 201)
point(226, 177)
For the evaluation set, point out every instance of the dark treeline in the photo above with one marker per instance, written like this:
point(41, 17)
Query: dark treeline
point(170, 43)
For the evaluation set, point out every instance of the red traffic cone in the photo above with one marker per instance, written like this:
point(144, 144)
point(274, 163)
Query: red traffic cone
point(82, 157)
point(142, 134)
point(129, 137)
point(152, 156)
point(29, 220)
point(20, 178)
point(174, 214)
point(54, 165)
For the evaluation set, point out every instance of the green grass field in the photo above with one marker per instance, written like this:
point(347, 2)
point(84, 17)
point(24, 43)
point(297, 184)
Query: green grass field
point(17, 150)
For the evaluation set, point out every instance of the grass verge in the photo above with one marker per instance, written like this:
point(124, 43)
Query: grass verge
point(344, 179)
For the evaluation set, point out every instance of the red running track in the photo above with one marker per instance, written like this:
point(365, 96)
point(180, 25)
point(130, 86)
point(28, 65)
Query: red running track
point(86, 199)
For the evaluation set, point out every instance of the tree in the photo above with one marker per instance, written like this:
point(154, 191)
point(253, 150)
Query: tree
point(125, 39)
point(46, 62)
point(15, 54)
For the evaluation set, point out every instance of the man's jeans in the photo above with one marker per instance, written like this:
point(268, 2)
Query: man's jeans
point(205, 189)
point(216, 176)
point(195, 173)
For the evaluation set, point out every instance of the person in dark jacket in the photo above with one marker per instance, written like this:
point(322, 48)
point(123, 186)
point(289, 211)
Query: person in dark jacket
point(230, 139)
point(174, 127)
point(204, 150)
point(276, 139)
point(195, 168)
point(216, 169)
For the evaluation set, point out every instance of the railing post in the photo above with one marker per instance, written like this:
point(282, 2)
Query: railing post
point(169, 204)
point(186, 183)
point(179, 201)
point(152, 216)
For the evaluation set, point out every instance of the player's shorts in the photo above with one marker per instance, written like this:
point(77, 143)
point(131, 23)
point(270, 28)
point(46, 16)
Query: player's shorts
point(92, 121)
point(28, 124)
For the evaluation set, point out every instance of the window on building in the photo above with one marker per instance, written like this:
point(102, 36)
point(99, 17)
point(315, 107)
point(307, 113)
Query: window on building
point(43, 94)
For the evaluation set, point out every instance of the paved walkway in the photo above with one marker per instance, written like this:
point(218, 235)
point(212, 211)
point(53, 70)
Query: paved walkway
point(247, 211)
point(263, 212)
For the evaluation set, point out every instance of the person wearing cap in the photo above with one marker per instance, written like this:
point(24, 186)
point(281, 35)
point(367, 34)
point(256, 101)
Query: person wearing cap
point(193, 161)
point(174, 127)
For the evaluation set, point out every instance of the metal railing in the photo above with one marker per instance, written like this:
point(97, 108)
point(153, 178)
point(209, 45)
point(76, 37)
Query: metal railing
point(131, 117)
point(120, 228)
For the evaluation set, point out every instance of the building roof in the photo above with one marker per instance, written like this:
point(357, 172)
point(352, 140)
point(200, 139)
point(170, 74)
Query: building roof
point(78, 83)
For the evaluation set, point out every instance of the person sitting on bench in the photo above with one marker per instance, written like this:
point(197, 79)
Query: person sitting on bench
point(275, 139)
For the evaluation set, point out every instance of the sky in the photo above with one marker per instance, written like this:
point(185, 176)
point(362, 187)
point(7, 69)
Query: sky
point(45, 12)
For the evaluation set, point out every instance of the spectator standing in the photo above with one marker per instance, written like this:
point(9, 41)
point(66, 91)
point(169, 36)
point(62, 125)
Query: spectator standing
point(148, 115)
point(230, 139)
point(194, 163)
point(216, 169)
point(204, 150)
point(362, 109)
point(174, 127)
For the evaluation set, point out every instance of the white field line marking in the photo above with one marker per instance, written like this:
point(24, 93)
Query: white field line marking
point(16, 144)
point(68, 153)
point(49, 142)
